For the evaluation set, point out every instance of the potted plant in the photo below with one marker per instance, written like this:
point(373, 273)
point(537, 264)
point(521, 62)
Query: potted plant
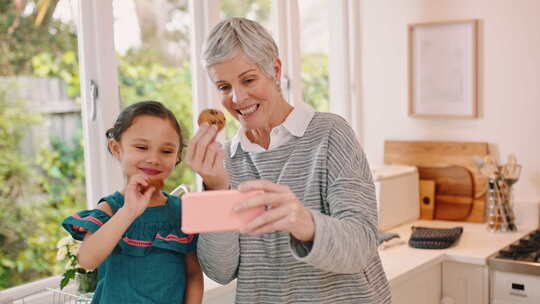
point(86, 280)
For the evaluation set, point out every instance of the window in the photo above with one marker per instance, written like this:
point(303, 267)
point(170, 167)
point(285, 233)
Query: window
point(42, 174)
point(314, 53)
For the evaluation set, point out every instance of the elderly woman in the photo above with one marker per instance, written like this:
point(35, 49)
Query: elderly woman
point(317, 242)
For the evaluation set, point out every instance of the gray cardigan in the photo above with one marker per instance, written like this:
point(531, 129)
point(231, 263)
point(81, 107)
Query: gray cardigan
point(327, 171)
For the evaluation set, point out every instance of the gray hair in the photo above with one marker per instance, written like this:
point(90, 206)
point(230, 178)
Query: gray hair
point(240, 34)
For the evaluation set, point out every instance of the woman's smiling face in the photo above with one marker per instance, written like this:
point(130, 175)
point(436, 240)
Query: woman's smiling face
point(250, 95)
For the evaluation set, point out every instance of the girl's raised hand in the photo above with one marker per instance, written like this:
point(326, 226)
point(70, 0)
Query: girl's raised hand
point(205, 156)
point(137, 194)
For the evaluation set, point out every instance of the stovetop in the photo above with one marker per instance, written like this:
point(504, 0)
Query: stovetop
point(522, 256)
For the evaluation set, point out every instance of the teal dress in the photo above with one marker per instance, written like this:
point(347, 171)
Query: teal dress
point(147, 265)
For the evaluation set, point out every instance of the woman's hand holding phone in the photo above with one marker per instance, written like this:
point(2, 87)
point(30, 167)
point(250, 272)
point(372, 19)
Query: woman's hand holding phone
point(284, 211)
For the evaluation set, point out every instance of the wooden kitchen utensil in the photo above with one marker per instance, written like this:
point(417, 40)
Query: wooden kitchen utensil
point(446, 154)
point(454, 191)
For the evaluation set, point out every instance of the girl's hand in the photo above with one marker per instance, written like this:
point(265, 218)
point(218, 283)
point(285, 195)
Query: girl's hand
point(285, 213)
point(137, 194)
point(205, 156)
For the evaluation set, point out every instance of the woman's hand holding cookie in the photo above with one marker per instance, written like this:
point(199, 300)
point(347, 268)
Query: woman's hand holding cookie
point(205, 156)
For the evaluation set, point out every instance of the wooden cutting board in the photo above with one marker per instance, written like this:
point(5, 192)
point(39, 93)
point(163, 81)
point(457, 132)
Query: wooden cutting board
point(453, 191)
point(459, 187)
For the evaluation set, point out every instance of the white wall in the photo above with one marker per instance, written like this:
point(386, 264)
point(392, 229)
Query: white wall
point(509, 86)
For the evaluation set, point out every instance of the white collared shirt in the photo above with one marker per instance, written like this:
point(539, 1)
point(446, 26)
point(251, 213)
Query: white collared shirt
point(294, 125)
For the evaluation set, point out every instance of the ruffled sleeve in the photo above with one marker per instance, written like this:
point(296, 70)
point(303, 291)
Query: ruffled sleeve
point(87, 220)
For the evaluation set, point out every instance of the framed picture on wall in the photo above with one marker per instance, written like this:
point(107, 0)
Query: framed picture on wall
point(443, 69)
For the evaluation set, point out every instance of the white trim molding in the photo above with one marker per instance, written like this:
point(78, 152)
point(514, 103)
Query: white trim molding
point(204, 15)
point(355, 69)
point(97, 61)
point(339, 60)
point(286, 22)
point(344, 61)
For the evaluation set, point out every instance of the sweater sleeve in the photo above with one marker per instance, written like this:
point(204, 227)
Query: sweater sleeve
point(218, 254)
point(345, 239)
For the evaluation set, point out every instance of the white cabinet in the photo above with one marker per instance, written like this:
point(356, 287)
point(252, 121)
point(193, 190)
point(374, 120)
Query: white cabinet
point(424, 287)
point(446, 282)
point(464, 283)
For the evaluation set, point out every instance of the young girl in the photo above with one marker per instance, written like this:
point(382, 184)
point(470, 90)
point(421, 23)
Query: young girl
point(134, 236)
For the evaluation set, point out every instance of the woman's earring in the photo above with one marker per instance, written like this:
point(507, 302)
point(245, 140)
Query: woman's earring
point(277, 83)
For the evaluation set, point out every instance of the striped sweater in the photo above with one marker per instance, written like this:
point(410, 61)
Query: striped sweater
point(327, 171)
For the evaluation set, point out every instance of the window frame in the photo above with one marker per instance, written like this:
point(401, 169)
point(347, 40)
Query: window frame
point(344, 57)
point(98, 64)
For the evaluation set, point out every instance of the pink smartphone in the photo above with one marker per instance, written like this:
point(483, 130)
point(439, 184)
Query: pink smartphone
point(211, 211)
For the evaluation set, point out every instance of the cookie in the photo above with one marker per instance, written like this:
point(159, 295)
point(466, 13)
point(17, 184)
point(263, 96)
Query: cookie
point(212, 117)
point(156, 183)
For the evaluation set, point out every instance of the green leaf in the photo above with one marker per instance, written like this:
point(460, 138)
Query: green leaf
point(7, 263)
point(68, 275)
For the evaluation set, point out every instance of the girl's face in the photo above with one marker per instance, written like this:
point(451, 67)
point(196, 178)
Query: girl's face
point(149, 146)
point(247, 93)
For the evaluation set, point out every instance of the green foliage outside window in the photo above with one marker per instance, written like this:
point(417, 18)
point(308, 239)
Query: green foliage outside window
point(34, 196)
point(258, 10)
point(15, 177)
point(64, 66)
point(315, 81)
point(22, 37)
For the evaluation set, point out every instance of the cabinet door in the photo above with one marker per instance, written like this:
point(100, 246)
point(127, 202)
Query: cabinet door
point(424, 287)
point(464, 283)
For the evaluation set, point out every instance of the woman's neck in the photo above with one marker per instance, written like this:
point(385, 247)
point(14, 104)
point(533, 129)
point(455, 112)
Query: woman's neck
point(261, 136)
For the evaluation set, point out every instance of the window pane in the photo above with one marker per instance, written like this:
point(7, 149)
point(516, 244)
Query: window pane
point(152, 45)
point(41, 154)
point(314, 52)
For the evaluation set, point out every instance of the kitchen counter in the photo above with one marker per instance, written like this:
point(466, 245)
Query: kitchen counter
point(475, 245)
point(401, 262)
